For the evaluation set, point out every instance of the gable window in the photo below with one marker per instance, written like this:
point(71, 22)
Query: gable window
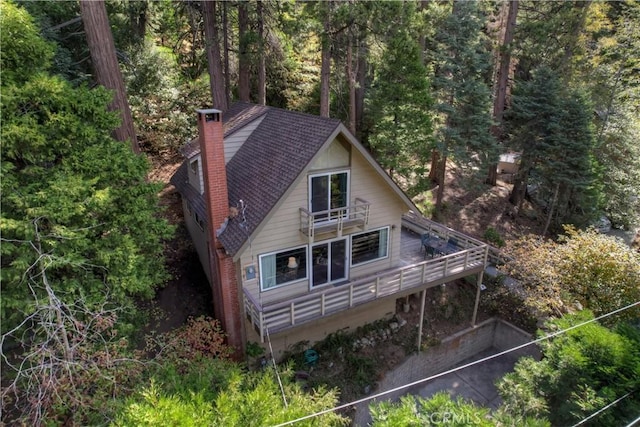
point(369, 246)
point(280, 268)
point(194, 166)
point(327, 193)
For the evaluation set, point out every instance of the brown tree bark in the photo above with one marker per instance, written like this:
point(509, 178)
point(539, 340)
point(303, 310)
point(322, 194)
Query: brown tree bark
point(361, 77)
point(225, 37)
point(262, 72)
point(244, 92)
point(105, 66)
point(352, 84)
point(502, 83)
point(325, 70)
point(214, 60)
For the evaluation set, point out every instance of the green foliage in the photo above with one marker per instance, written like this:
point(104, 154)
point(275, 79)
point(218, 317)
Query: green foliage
point(241, 399)
point(461, 74)
point(401, 137)
point(441, 409)
point(600, 272)
point(85, 196)
point(23, 52)
point(581, 371)
point(492, 236)
point(551, 126)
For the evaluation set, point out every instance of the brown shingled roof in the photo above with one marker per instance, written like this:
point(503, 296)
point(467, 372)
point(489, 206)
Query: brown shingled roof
point(266, 165)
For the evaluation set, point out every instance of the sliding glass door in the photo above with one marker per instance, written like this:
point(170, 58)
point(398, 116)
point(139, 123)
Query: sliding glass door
point(329, 262)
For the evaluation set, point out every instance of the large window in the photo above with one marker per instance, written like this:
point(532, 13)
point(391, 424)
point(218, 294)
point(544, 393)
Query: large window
point(328, 191)
point(283, 267)
point(369, 246)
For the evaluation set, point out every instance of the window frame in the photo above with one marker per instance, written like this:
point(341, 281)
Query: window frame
point(329, 175)
point(261, 269)
point(386, 256)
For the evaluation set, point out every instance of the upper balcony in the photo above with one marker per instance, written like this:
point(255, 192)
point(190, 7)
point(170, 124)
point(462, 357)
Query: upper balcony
point(417, 272)
point(334, 220)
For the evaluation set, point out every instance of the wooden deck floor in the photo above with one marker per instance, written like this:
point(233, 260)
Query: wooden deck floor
point(410, 247)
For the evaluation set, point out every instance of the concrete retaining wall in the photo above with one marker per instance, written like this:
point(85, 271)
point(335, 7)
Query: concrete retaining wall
point(453, 350)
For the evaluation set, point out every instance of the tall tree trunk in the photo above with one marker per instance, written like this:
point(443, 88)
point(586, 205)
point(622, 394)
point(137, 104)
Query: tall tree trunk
point(435, 164)
point(225, 36)
point(520, 182)
point(244, 92)
point(502, 82)
point(325, 70)
point(105, 65)
point(552, 208)
point(212, 39)
point(262, 72)
point(361, 77)
point(442, 169)
point(352, 85)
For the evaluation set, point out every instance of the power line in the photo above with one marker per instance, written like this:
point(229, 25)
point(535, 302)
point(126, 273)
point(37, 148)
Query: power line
point(604, 408)
point(375, 396)
point(634, 422)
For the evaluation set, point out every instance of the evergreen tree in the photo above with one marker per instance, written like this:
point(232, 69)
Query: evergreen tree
point(400, 108)
point(67, 181)
point(551, 126)
point(462, 64)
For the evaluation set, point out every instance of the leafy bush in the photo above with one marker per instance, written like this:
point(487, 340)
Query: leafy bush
point(582, 370)
point(491, 235)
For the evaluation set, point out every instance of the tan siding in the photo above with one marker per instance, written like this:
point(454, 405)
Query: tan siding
point(235, 141)
point(282, 230)
point(386, 209)
point(280, 233)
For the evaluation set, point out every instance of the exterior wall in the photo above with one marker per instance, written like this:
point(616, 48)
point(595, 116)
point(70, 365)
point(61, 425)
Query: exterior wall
point(198, 236)
point(346, 321)
point(195, 177)
point(233, 142)
point(282, 230)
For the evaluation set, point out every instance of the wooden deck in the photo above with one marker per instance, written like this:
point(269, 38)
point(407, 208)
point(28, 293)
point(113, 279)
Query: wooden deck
point(413, 275)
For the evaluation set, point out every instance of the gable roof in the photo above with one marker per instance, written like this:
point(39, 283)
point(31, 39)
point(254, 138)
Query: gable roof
point(264, 167)
point(267, 164)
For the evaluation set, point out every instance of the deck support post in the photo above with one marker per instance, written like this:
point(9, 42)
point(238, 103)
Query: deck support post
point(479, 286)
point(477, 303)
point(422, 304)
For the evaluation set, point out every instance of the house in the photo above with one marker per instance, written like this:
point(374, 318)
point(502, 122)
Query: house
point(300, 231)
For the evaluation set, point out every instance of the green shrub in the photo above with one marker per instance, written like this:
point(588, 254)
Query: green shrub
point(492, 236)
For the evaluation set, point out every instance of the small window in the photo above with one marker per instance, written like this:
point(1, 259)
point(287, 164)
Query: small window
point(283, 267)
point(199, 221)
point(369, 246)
point(194, 166)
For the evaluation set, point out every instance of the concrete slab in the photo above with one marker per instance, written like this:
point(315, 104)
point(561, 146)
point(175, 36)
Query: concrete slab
point(476, 383)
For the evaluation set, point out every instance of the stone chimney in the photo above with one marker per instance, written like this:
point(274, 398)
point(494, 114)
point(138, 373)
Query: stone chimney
point(224, 279)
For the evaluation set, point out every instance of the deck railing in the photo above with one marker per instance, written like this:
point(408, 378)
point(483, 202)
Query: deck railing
point(296, 311)
point(334, 220)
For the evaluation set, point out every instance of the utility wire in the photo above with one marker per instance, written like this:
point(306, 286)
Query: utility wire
point(634, 422)
point(275, 368)
point(604, 408)
point(484, 359)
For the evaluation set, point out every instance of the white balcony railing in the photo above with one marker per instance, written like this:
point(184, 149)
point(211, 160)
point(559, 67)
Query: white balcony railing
point(398, 281)
point(334, 220)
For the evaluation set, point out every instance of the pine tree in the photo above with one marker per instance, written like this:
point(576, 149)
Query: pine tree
point(462, 63)
point(400, 107)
